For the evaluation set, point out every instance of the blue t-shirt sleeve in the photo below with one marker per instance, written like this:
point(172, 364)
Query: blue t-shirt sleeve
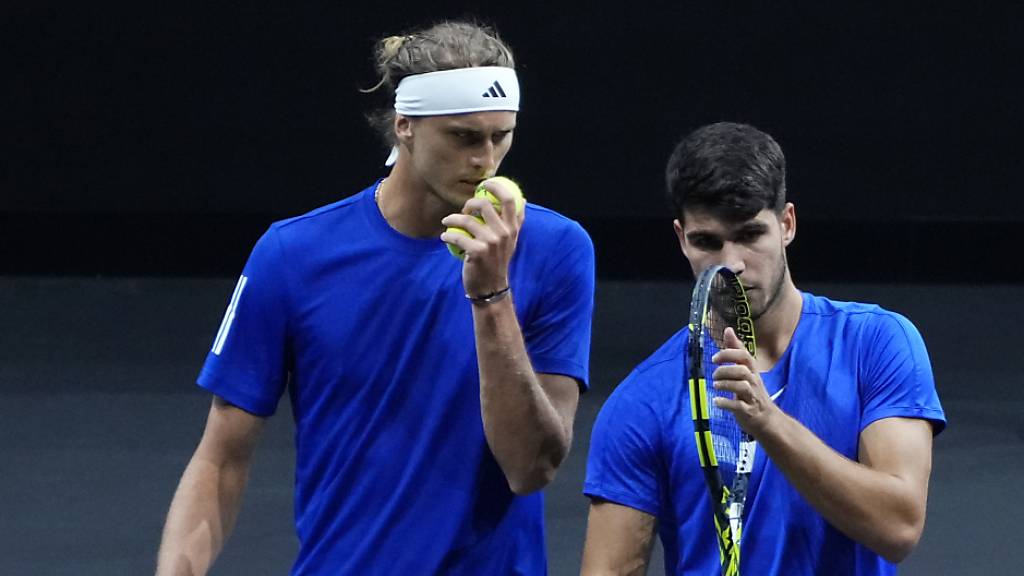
point(557, 337)
point(246, 365)
point(623, 465)
point(896, 374)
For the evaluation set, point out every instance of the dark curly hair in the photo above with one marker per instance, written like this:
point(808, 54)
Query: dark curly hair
point(731, 171)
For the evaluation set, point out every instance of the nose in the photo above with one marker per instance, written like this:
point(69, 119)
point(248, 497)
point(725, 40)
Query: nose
point(733, 258)
point(483, 157)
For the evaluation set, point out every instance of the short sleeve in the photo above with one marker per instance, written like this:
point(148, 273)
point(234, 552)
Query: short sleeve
point(896, 374)
point(623, 465)
point(558, 336)
point(246, 364)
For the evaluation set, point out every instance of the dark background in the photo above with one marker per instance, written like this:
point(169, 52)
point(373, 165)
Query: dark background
point(163, 139)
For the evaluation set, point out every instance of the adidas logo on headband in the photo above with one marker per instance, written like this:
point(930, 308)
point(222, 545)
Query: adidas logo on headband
point(494, 91)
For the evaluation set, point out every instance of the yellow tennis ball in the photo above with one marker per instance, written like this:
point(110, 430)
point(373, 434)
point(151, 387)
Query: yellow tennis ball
point(482, 192)
point(455, 250)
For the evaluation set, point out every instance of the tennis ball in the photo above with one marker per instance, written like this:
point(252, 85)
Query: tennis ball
point(455, 250)
point(482, 192)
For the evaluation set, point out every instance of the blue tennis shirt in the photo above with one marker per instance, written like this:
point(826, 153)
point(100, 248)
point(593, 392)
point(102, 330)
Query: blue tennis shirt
point(372, 336)
point(848, 365)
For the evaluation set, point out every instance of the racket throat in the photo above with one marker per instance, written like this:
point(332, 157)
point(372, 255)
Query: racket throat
point(735, 514)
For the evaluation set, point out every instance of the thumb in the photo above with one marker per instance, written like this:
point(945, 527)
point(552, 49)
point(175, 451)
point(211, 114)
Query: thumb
point(732, 340)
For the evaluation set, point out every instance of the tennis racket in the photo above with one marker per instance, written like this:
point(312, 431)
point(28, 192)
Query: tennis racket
point(719, 302)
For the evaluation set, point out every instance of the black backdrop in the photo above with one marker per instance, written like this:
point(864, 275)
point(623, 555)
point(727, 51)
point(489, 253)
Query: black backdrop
point(163, 139)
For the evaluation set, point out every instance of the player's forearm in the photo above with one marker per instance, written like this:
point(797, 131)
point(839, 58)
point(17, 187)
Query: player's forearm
point(201, 517)
point(880, 510)
point(522, 426)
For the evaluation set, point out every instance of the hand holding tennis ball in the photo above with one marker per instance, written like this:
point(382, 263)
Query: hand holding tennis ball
point(482, 192)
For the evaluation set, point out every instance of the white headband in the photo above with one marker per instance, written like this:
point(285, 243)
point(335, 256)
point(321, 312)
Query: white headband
point(458, 91)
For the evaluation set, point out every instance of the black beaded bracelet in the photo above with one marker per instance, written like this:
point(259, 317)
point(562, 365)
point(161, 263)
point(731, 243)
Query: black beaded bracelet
point(490, 298)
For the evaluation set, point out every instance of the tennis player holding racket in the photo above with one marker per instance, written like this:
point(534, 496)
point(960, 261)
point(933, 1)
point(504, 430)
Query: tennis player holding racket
point(433, 396)
point(838, 398)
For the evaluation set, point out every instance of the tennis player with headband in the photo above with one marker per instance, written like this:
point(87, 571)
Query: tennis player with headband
point(433, 397)
point(840, 400)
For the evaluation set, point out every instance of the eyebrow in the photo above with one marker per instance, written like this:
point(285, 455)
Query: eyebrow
point(747, 227)
point(753, 226)
point(700, 234)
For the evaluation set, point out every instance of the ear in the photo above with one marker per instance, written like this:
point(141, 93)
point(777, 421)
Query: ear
point(403, 129)
point(678, 227)
point(788, 222)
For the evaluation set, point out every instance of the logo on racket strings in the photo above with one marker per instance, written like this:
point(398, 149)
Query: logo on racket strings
point(744, 325)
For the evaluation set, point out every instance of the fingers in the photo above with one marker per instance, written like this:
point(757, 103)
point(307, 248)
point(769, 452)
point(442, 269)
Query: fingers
point(485, 214)
point(457, 234)
point(746, 396)
point(737, 378)
point(472, 224)
point(743, 402)
point(485, 227)
point(734, 356)
point(733, 378)
point(486, 210)
point(507, 199)
point(732, 372)
point(484, 235)
point(735, 351)
point(734, 406)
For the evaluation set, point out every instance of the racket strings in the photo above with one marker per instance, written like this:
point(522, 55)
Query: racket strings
point(725, 431)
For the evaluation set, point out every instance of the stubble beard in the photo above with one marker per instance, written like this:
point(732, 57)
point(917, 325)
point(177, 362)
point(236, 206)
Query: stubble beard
point(773, 290)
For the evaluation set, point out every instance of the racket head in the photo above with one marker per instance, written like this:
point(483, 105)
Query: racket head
point(718, 302)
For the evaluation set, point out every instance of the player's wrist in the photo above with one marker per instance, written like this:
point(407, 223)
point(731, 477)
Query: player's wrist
point(489, 298)
point(771, 426)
